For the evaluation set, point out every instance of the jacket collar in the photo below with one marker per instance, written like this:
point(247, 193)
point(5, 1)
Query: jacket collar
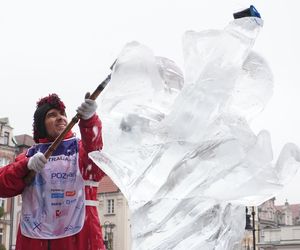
point(45, 140)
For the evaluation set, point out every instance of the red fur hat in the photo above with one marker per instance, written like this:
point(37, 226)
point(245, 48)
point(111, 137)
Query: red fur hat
point(42, 107)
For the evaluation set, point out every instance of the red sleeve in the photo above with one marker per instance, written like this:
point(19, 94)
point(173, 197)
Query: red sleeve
point(11, 177)
point(91, 140)
point(91, 133)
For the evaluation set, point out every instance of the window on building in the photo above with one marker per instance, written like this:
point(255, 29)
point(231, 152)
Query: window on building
point(19, 200)
point(3, 161)
point(1, 202)
point(110, 206)
point(1, 235)
point(270, 214)
point(18, 217)
point(1, 208)
point(6, 138)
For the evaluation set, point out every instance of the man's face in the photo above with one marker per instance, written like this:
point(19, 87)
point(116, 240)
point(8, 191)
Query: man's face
point(55, 123)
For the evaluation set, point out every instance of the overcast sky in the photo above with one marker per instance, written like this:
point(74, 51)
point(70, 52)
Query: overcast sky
point(66, 47)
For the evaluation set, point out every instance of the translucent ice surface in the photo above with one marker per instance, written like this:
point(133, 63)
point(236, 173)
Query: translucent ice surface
point(182, 151)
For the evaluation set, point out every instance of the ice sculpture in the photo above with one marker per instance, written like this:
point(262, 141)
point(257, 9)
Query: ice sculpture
point(184, 155)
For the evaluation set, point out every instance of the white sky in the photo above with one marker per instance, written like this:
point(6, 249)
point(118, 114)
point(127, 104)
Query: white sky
point(66, 47)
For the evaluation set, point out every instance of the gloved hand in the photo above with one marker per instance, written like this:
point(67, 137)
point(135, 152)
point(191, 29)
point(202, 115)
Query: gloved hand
point(37, 162)
point(87, 108)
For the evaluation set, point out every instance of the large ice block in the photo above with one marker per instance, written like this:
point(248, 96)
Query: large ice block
point(182, 151)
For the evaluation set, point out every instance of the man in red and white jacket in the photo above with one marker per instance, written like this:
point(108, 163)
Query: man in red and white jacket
point(59, 207)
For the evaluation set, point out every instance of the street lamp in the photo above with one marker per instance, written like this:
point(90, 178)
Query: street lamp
point(248, 220)
point(249, 226)
point(108, 235)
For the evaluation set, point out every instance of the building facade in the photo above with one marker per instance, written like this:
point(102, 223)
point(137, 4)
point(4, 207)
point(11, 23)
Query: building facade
point(7, 155)
point(114, 216)
point(280, 238)
point(280, 227)
point(275, 227)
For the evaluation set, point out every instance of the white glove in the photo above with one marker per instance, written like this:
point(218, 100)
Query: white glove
point(37, 162)
point(87, 108)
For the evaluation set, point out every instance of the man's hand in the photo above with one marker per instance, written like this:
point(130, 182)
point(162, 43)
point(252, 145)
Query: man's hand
point(87, 108)
point(37, 162)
